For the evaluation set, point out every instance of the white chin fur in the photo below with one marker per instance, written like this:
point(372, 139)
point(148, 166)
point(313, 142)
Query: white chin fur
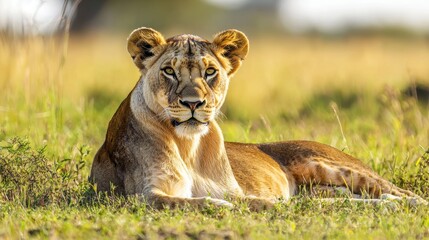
point(189, 131)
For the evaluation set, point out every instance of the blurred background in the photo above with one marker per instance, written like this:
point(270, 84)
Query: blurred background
point(312, 64)
point(333, 17)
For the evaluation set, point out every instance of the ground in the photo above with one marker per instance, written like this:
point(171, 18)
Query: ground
point(58, 96)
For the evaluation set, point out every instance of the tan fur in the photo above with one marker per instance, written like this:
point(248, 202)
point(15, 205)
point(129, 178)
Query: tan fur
point(164, 144)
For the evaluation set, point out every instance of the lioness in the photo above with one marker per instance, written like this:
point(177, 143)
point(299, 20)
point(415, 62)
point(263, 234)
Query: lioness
point(164, 143)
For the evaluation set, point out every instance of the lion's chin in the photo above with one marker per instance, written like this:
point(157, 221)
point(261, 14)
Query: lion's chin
point(191, 128)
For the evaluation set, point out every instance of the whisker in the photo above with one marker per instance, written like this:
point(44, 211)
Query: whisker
point(220, 116)
point(163, 115)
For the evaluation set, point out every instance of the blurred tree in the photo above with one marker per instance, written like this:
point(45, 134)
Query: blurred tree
point(193, 16)
point(87, 12)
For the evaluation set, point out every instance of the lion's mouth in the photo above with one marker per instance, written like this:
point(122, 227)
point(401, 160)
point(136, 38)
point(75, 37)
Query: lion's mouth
point(191, 121)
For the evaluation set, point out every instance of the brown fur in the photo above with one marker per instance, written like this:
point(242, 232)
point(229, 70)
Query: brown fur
point(164, 144)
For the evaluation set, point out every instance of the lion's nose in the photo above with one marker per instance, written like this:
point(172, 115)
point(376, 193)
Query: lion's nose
point(192, 105)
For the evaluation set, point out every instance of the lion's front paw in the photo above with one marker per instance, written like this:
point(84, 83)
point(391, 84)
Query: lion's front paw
point(260, 204)
point(413, 201)
point(416, 201)
point(219, 202)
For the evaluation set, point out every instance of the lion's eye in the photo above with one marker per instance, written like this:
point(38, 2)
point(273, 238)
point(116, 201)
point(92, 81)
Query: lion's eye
point(210, 71)
point(168, 71)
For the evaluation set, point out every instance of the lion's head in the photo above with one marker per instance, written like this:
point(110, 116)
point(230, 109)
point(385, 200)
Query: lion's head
point(185, 78)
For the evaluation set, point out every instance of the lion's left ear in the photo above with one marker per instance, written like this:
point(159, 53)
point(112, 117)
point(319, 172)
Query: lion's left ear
point(142, 43)
point(233, 45)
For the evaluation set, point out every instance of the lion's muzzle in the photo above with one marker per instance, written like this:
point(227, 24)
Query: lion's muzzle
point(192, 122)
point(192, 105)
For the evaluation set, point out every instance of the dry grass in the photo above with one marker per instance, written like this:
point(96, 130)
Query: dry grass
point(277, 71)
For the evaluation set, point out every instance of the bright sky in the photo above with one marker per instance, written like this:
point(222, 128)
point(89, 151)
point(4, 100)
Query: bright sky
point(228, 3)
point(333, 15)
point(33, 16)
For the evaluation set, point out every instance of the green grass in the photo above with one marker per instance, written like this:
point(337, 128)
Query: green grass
point(301, 218)
point(55, 106)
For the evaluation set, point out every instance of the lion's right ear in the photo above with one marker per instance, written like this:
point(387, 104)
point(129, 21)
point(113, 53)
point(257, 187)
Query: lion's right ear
point(233, 45)
point(142, 44)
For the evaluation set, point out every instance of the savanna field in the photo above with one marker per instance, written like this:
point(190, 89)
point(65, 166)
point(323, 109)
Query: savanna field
point(57, 97)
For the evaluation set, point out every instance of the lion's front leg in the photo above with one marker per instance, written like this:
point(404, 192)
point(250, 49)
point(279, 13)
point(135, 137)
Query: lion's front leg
point(161, 200)
point(254, 203)
point(167, 182)
point(175, 191)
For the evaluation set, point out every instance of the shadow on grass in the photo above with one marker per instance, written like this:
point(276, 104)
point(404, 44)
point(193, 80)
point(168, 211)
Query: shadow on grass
point(101, 98)
point(351, 103)
point(418, 90)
